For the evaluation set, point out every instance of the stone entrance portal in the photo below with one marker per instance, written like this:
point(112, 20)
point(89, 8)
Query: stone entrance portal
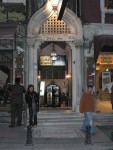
point(73, 38)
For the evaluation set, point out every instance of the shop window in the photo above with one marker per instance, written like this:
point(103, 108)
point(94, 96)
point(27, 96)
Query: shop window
point(43, 74)
point(61, 74)
point(49, 74)
point(55, 73)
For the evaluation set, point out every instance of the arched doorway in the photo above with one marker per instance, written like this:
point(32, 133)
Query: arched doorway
point(73, 37)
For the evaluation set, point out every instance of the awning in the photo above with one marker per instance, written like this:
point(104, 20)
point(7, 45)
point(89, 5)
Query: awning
point(99, 42)
point(7, 32)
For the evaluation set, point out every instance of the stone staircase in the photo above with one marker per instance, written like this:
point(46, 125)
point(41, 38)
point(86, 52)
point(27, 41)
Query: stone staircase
point(58, 124)
point(103, 119)
point(62, 117)
point(56, 129)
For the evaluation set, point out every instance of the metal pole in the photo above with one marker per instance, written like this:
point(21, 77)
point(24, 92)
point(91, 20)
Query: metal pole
point(88, 135)
point(29, 141)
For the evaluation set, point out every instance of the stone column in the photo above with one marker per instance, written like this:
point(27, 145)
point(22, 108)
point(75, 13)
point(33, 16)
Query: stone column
point(78, 76)
point(30, 64)
point(35, 79)
point(74, 79)
point(26, 69)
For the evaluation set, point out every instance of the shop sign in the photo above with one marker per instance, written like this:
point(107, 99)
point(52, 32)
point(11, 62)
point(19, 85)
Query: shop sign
point(19, 74)
point(90, 76)
point(106, 79)
point(47, 61)
point(42, 88)
point(105, 59)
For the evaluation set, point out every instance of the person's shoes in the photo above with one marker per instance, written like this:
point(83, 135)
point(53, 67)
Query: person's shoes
point(11, 126)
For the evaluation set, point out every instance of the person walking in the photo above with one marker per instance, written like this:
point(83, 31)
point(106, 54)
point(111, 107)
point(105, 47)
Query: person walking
point(87, 107)
point(17, 91)
point(32, 99)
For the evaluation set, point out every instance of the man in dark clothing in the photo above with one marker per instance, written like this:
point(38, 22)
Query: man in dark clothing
point(17, 91)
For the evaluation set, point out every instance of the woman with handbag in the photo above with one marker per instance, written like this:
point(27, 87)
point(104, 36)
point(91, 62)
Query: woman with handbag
point(32, 99)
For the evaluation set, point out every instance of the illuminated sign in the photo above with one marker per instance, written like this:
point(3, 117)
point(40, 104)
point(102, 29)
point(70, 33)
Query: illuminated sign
point(105, 59)
point(42, 88)
point(106, 79)
point(46, 61)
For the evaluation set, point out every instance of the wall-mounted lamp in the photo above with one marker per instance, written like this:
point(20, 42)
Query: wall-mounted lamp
point(61, 8)
point(107, 69)
point(68, 76)
point(38, 76)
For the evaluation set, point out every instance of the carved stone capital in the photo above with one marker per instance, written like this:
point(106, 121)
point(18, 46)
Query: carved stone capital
point(30, 42)
point(90, 62)
point(38, 43)
point(78, 43)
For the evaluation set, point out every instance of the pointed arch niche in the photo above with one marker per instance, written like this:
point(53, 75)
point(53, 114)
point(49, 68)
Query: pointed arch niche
point(38, 32)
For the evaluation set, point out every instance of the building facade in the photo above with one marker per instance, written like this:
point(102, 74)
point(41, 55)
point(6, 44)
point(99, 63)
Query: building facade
point(80, 38)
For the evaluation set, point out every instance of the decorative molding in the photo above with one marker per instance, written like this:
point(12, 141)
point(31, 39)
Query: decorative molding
point(69, 18)
point(56, 37)
point(91, 30)
point(78, 43)
point(38, 18)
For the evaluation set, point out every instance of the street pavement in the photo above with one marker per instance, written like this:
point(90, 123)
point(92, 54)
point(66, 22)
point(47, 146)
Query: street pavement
point(55, 131)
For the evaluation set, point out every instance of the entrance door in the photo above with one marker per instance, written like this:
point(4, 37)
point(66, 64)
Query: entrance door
point(53, 99)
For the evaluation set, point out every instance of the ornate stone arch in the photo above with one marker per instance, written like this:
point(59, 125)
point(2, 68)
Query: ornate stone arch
point(70, 18)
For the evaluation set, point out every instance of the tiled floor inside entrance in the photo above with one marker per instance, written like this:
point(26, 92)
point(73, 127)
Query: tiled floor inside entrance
point(104, 106)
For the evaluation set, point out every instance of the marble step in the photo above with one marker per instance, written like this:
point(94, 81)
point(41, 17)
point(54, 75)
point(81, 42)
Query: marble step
point(103, 119)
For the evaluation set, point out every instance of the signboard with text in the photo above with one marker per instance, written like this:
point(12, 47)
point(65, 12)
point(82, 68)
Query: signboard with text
point(105, 59)
point(106, 78)
point(47, 61)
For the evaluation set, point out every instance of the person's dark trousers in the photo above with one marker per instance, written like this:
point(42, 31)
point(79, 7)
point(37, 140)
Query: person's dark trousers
point(16, 111)
point(5, 99)
point(32, 116)
point(35, 119)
